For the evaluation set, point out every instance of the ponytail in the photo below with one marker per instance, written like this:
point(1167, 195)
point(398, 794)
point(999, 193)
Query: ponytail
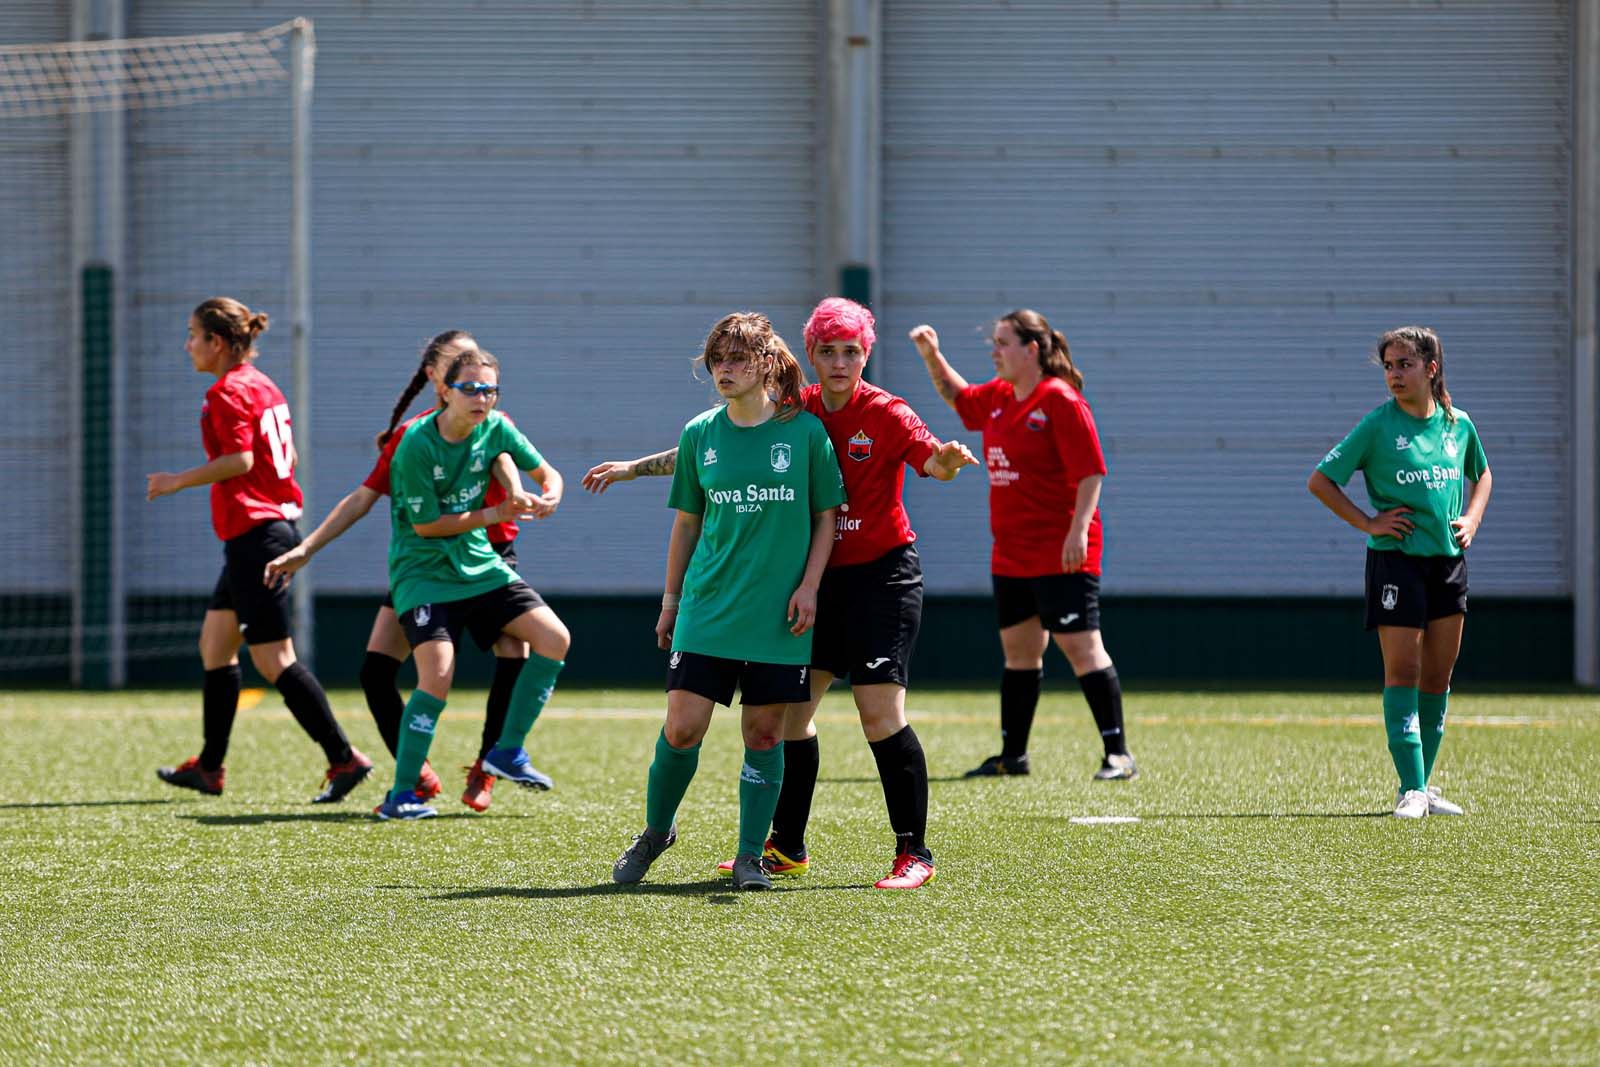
point(786, 378)
point(1426, 346)
point(1055, 358)
point(225, 317)
point(448, 345)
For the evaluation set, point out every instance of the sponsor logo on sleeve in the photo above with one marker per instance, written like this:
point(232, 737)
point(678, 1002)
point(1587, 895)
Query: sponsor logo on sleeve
point(1333, 454)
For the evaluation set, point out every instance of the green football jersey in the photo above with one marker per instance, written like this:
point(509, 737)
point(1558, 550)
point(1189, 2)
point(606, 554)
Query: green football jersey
point(756, 488)
point(1417, 463)
point(431, 477)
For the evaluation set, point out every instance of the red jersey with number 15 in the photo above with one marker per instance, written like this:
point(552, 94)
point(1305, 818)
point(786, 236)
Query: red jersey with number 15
point(245, 412)
point(876, 436)
point(378, 480)
point(1037, 450)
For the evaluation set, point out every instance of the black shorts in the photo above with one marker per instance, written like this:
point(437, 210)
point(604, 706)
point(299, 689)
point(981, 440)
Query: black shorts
point(507, 550)
point(716, 678)
point(1064, 603)
point(868, 615)
point(265, 615)
point(485, 615)
point(1412, 591)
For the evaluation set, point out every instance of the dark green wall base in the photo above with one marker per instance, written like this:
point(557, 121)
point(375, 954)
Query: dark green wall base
point(1152, 639)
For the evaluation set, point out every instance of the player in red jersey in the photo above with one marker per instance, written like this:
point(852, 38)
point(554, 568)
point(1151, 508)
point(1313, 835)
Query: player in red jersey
point(246, 429)
point(869, 606)
point(386, 644)
point(1045, 469)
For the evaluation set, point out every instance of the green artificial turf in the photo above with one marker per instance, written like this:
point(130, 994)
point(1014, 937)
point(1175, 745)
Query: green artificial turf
point(1262, 910)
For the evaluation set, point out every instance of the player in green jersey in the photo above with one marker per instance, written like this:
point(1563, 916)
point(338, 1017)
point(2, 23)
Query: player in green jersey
point(1417, 453)
point(445, 577)
point(754, 526)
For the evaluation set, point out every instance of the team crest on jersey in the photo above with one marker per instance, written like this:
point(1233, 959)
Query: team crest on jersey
point(859, 447)
point(477, 463)
point(781, 458)
point(1390, 597)
point(423, 613)
point(1037, 420)
point(1450, 447)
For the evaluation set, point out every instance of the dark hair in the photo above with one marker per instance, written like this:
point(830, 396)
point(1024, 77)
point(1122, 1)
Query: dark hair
point(447, 345)
point(225, 317)
point(470, 357)
point(1055, 358)
point(1426, 346)
point(750, 333)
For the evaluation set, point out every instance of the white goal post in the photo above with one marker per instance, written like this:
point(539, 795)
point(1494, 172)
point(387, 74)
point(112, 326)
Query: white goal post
point(66, 112)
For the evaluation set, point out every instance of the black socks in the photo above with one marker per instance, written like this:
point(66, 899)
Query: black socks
point(219, 705)
point(800, 761)
point(1019, 698)
point(1103, 690)
point(380, 675)
point(903, 769)
point(506, 673)
point(309, 706)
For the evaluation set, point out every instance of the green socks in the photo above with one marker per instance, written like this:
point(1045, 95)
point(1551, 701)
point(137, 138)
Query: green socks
point(1405, 743)
point(1430, 714)
point(417, 724)
point(670, 774)
point(528, 698)
point(760, 780)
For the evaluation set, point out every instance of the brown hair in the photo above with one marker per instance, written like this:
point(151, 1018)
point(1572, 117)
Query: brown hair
point(1055, 358)
point(750, 333)
point(225, 317)
point(447, 345)
point(1426, 346)
point(470, 357)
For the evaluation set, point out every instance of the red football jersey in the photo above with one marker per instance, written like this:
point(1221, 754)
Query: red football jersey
point(378, 481)
point(245, 412)
point(876, 436)
point(1037, 450)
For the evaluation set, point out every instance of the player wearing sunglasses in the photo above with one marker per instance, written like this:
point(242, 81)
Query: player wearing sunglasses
point(387, 648)
point(445, 577)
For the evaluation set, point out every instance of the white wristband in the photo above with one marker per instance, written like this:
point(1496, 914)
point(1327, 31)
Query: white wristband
point(669, 601)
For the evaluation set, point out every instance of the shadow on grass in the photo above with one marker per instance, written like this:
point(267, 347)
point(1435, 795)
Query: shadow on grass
point(262, 818)
point(714, 890)
point(1236, 815)
point(84, 804)
point(877, 781)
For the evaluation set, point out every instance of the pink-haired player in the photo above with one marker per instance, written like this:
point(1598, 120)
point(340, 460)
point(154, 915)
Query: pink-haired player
point(869, 607)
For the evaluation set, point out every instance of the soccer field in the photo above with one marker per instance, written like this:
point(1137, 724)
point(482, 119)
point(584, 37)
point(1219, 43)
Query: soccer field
point(1262, 909)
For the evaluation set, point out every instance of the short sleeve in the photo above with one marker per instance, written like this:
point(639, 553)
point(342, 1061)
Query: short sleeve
point(1076, 439)
point(916, 442)
point(378, 480)
point(972, 405)
point(511, 440)
point(411, 481)
point(827, 484)
point(1475, 462)
point(1349, 455)
point(231, 421)
point(687, 493)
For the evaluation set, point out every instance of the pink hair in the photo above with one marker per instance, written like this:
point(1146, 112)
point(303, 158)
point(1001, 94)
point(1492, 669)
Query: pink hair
point(838, 319)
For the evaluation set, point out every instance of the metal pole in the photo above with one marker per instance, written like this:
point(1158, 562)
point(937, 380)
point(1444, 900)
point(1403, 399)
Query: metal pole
point(302, 63)
point(1585, 353)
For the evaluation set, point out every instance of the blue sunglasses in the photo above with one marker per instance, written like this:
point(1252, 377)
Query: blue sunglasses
point(470, 389)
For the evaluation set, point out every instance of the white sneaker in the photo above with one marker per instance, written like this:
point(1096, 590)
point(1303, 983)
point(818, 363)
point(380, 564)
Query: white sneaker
point(1413, 805)
point(1438, 805)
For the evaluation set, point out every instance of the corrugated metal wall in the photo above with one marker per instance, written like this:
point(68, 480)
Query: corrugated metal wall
point(585, 186)
point(35, 323)
point(1222, 206)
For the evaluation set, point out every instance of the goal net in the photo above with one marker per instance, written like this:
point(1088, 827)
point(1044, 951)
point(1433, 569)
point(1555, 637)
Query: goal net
point(141, 177)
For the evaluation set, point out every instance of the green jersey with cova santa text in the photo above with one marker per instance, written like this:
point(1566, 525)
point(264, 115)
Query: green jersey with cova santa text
point(1416, 463)
point(431, 477)
point(756, 488)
